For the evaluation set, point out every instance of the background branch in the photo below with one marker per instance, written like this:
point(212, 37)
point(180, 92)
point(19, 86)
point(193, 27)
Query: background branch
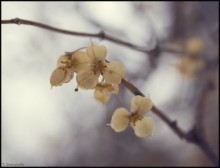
point(101, 35)
point(192, 136)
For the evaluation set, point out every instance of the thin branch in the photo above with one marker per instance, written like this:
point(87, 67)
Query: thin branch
point(101, 35)
point(192, 136)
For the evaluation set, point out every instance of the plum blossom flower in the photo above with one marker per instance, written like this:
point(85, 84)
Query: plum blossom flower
point(194, 46)
point(143, 126)
point(112, 72)
point(189, 66)
point(102, 89)
point(89, 66)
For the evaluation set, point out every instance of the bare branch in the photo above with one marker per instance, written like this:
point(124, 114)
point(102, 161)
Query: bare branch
point(192, 136)
point(101, 35)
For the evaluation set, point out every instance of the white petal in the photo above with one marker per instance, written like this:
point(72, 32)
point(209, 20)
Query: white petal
point(114, 72)
point(120, 120)
point(141, 105)
point(144, 127)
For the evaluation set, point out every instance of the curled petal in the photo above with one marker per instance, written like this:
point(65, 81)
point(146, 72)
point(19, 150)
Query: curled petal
point(69, 75)
point(144, 127)
point(113, 72)
point(64, 61)
point(80, 61)
point(141, 105)
point(58, 76)
point(87, 79)
point(101, 96)
point(96, 53)
point(120, 120)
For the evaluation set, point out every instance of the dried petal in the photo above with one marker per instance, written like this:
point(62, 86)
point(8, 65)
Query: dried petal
point(120, 120)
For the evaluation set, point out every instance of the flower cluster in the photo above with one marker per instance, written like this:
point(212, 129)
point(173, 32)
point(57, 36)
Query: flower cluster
point(143, 126)
point(89, 66)
point(189, 66)
point(191, 63)
point(93, 71)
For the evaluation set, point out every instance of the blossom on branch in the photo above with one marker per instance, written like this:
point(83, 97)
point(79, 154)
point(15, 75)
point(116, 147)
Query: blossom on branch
point(112, 72)
point(143, 126)
point(89, 65)
point(190, 64)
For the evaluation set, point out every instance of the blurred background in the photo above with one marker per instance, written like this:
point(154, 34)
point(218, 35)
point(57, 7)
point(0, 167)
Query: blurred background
point(61, 127)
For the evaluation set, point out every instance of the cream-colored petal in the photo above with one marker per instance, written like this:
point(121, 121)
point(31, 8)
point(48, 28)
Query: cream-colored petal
point(87, 79)
point(141, 105)
point(58, 76)
point(113, 72)
point(144, 127)
point(80, 61)
point(101, 96)
point(96, 53)
point(120, 120)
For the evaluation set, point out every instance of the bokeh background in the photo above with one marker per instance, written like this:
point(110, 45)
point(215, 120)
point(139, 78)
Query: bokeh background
point(61, 127)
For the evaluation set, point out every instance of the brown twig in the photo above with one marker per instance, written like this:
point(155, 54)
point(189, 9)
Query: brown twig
point(192, 136)
point(101, 35)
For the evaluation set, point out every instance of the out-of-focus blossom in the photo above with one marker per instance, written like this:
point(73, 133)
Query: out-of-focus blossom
point(191, 63)
point(189, 66)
